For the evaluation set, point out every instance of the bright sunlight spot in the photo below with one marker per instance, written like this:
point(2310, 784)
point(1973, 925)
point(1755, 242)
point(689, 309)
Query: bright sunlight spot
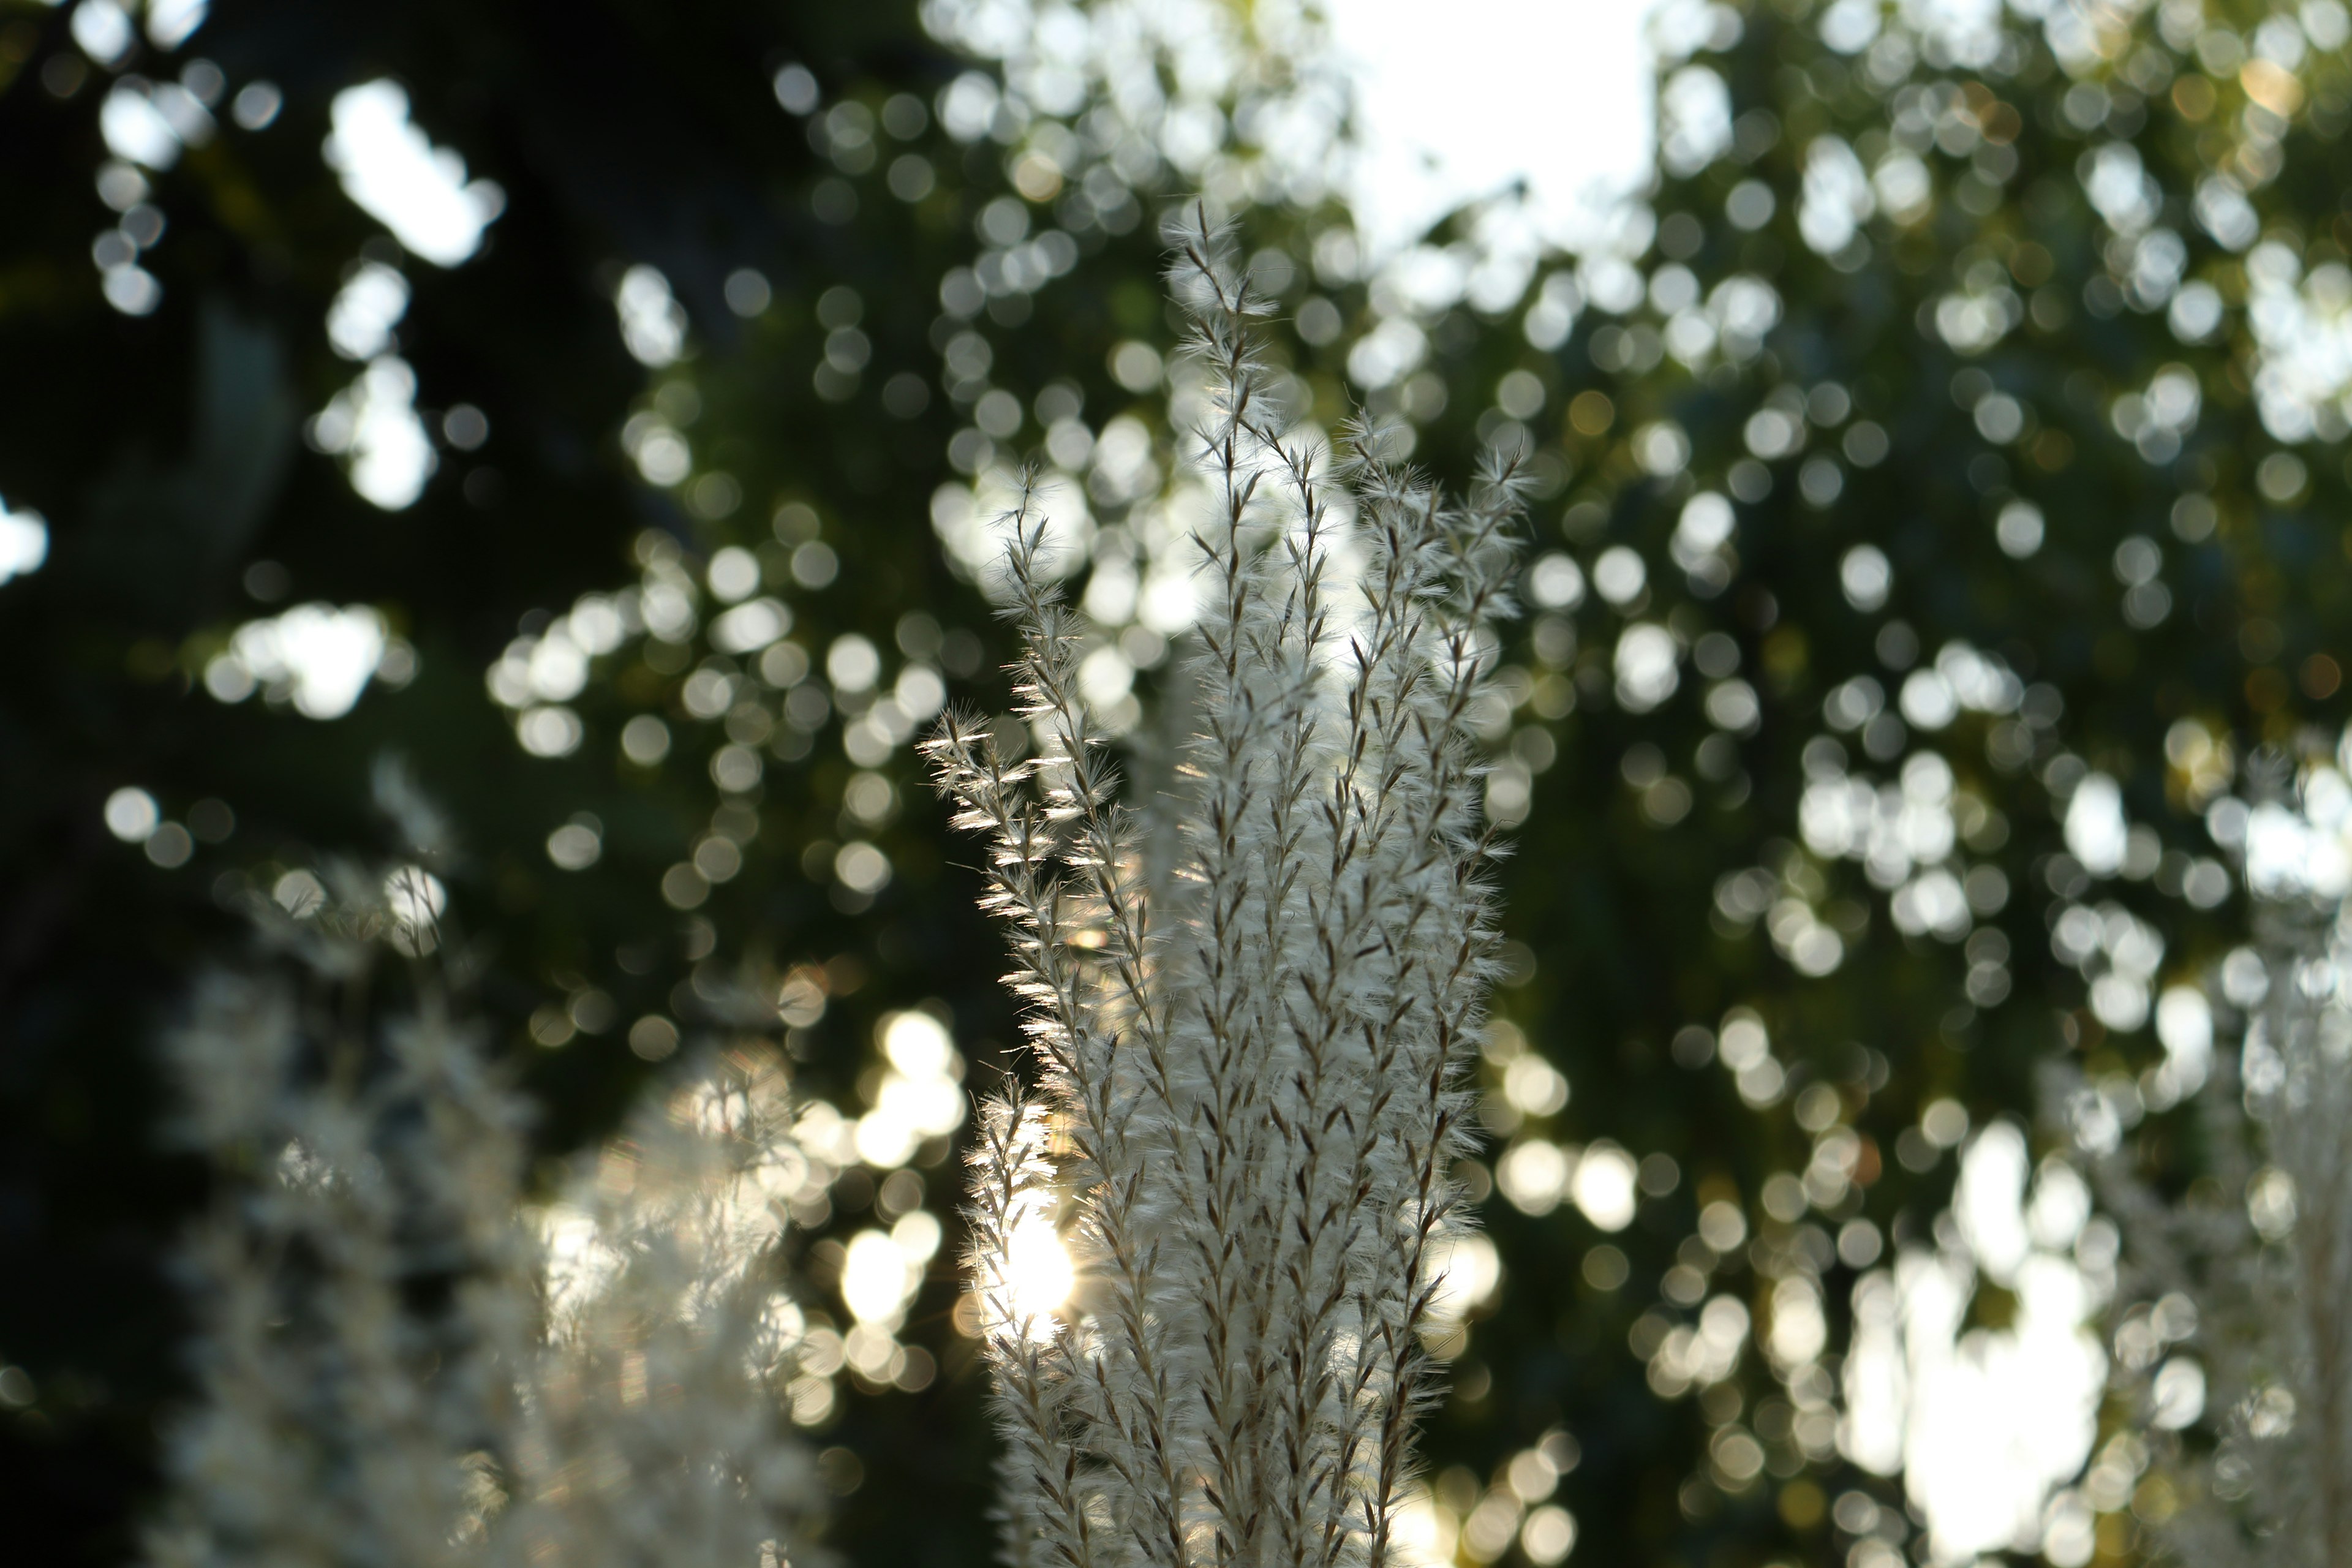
point(1449, 114)
point(1034, 1277)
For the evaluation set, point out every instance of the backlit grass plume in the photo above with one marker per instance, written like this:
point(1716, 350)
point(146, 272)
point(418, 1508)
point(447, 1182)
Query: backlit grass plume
point(1209, 1234)
point(401, 1363)
point(2246, 1335)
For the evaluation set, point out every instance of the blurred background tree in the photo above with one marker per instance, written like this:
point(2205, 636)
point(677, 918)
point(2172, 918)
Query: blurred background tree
point(1943, 453)
point(1930, 474)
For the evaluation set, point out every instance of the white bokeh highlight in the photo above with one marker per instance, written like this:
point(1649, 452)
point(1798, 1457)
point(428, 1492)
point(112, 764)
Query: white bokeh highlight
point(316, 657)
point(1984, 1425)
point(23, 543)
point(396, 174)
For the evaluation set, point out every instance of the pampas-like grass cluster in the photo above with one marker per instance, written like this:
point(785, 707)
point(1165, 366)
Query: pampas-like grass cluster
point(2249, 1422)
point(657, 1429)
point(1209, 1229)
point(399, 1363)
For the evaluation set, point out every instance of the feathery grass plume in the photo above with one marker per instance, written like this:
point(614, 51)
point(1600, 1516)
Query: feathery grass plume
point(395, 1369)
point(362, 1294)
point(2248, 1421)
point(657, 1428)
point(1208, 1236)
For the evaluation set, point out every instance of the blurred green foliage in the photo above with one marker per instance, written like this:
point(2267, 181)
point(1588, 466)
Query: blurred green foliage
point(1923, 372)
